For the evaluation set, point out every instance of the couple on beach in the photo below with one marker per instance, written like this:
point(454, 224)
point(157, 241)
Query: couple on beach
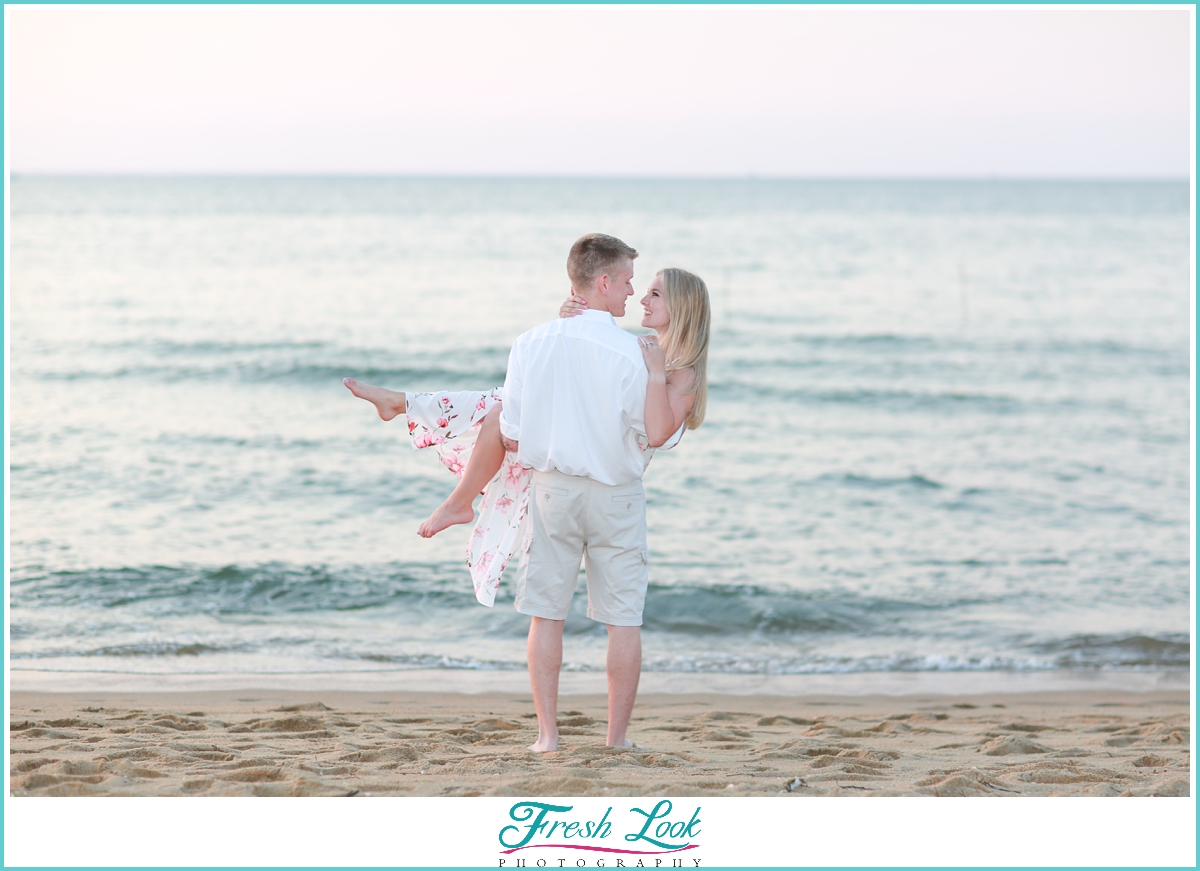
point(559, 454)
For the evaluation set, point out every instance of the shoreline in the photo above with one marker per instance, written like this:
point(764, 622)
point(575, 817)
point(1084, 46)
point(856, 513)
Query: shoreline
point(329, 741)
point(471, 682)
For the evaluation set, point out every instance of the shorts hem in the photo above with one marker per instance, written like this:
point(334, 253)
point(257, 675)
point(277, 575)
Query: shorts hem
point(600, 618)
point(540, 612)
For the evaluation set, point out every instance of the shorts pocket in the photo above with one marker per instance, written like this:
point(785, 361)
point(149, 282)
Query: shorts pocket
point(629, 497)
point(555, 491)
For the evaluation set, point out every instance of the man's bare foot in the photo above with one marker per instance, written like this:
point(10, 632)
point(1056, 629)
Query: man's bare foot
point(388, 403)
point(544, 745)
point(445, 515)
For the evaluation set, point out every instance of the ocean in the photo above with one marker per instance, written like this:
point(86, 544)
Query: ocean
point(948, 424)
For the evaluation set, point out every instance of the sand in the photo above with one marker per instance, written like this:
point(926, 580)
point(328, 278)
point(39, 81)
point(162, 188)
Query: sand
point(290, 743)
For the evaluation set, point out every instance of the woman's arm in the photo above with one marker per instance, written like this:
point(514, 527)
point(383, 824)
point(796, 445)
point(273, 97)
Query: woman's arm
point(667, 402)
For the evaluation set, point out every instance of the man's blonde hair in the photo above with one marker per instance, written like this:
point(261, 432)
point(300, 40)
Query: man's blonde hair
point(594, 255)
point(686, 341)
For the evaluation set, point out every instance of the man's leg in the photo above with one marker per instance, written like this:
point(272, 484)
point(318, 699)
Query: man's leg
point(624, 667)
point(546, 576)
point(617, 574)
point(544, 651)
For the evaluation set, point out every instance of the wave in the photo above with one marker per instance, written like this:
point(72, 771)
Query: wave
point(894, 400)
point(1172, 654)
point(914, 480)
point(280, 589)
point(480, 376)
point(742, 346)
point(739, 627)
point(1130, 651)
point(738, 363)
point(272, 588)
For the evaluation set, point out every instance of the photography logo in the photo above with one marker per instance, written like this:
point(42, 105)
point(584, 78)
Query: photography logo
point(635, 838)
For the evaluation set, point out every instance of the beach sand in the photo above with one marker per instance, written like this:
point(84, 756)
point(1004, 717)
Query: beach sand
point(288, 742)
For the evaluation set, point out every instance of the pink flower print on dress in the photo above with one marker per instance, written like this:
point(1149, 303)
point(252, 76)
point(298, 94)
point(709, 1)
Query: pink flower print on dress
point(437, 420)
point(514, 476)
point(485, 561)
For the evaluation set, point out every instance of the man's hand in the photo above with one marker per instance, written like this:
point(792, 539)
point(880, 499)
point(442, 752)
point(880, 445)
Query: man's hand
point(509, 444)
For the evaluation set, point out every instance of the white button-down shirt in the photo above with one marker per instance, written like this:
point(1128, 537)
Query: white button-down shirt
point(575, 399)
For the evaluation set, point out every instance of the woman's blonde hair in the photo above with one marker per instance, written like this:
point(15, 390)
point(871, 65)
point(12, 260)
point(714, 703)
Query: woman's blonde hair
point(686, 341)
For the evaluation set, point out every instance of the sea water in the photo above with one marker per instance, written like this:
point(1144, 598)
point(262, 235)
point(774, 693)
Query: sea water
point(948, 422)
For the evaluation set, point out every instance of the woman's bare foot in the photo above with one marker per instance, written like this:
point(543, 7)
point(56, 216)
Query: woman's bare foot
point(445, 515)
point(388, 403)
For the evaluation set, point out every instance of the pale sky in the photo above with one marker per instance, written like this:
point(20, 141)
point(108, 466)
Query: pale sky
point(608, 90)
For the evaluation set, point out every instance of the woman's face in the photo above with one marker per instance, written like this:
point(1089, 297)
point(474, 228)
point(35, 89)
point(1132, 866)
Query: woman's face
point(654, 306)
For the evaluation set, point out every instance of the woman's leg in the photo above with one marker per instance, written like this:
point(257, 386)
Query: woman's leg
point(388, 403)
point(482, 467)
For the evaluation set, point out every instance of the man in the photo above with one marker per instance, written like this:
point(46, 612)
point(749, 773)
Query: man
point(574, 404)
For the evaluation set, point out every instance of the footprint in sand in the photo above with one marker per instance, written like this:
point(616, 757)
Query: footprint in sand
point(780, 720)
point(1050, 772)
point(960, 784)
point(1009, 745)
point(306, 706)
point(1032, 728)
point(289, 725)
point(1151, 761)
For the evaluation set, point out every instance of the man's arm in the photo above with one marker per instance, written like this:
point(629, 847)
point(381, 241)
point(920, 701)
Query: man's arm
point(510, 412)
point(634, 398)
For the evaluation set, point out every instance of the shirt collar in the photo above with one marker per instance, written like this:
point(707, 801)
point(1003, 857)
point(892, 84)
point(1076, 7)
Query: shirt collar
point(593, 314)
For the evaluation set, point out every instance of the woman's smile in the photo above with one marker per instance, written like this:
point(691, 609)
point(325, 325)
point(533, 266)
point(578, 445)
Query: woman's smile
point(654, 306)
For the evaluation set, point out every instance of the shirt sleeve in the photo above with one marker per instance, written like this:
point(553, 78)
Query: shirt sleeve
point(634, 399)
point(675, 439)
point(510, 413)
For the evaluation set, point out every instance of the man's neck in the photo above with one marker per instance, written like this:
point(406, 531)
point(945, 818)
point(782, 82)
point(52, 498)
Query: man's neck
point(595, 301)
point(599, 314)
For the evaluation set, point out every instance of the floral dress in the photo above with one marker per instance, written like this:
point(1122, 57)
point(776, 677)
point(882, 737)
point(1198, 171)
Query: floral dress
point(449, 422)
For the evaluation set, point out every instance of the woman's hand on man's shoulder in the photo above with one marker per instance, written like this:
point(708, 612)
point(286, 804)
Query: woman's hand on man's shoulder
point(575, 305)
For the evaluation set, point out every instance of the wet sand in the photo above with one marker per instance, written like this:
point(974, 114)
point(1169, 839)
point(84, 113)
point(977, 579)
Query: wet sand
point(291, 743)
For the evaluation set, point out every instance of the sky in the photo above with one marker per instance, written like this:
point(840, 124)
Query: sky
point(601, 90)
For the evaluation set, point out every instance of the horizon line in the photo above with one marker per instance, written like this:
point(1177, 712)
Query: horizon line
point(479, 176)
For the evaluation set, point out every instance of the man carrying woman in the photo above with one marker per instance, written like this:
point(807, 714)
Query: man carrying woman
point(582, 403)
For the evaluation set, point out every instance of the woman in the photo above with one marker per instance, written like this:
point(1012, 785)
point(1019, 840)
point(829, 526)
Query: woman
point(464, 427)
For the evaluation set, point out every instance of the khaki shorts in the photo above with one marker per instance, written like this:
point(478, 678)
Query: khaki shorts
point(573, 519)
